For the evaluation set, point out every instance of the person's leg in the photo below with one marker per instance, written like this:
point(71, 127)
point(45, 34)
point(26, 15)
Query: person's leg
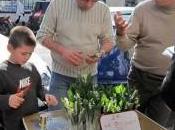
point(58, 87)
point(148, 86)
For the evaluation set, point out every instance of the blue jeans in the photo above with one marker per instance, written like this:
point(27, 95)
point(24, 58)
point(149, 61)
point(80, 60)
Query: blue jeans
point(59, 86)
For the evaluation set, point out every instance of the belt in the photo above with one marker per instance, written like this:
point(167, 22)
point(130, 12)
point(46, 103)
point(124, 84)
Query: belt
point(155, 76)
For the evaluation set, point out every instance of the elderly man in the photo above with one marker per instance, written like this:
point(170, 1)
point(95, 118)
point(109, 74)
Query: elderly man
point(75, 31)
point(151, 30)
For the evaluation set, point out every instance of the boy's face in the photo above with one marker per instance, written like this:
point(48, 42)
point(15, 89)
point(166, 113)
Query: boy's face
point(20, 55)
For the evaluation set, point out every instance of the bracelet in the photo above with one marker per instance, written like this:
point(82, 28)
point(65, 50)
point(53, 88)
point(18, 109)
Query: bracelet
point(102, 52)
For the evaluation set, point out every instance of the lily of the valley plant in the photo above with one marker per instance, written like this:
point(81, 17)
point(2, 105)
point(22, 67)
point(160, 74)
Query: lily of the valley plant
point(84, 99)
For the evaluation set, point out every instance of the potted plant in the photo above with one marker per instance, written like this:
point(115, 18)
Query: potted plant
point(82, 104)
point(85, 102)
point(119, 98)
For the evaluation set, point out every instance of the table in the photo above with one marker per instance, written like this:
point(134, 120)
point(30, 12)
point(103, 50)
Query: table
point(57, 120)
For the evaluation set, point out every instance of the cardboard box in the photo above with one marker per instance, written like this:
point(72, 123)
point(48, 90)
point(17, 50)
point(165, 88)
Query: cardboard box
point(148, 124)
point(130, 120)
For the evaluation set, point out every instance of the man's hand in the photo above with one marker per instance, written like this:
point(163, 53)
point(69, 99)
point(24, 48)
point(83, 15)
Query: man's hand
point(91, 59)
point(16, 100)
point(51, 100)
point(120, 23)
point(72, 56)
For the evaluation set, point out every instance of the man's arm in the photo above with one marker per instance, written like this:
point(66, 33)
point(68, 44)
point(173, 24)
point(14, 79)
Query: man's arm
point(105, 38)
point(127, 33)
point(107, 33)
point(53, 45)
point(49, 22)
point(47, 31)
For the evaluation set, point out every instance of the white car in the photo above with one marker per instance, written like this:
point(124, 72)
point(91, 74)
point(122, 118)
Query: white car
point(40, 64)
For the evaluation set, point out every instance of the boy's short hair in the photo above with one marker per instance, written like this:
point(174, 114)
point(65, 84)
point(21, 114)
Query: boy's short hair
point(21, 35)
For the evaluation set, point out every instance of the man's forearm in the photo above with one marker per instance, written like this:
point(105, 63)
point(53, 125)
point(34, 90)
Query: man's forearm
point(123, 42)
point(52, 45)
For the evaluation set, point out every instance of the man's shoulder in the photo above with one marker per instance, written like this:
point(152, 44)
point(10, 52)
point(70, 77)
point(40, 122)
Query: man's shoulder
point(102, 4)
point(145, 5)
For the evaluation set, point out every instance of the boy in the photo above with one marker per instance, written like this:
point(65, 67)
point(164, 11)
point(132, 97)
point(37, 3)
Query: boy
point(20, 82)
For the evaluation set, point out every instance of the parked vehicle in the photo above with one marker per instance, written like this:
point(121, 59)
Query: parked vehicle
point(37, 15)
point(5, 25)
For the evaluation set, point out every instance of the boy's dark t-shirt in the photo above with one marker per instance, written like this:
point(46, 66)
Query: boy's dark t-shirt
point(13, 77)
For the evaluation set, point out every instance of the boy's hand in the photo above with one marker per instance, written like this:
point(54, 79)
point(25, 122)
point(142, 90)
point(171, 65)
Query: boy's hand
point(16, 100)
point(51, 100)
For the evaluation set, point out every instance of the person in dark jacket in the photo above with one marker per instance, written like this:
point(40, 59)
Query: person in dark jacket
point(20, 82)
point(168, 87)
point(163, 105)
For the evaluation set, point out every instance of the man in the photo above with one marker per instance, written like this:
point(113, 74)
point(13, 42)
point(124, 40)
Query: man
point(72, 30)
point(150, 30)
point(19, 12)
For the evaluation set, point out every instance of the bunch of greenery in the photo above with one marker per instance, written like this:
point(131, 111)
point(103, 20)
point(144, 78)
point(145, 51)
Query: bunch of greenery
point(83, 100)
point(118, 99)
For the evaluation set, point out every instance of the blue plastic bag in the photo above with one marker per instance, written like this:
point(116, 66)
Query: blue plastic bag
point(114, 67)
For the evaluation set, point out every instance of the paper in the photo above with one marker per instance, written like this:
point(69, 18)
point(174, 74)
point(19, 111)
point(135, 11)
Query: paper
point(169, 51)
point(120, 121)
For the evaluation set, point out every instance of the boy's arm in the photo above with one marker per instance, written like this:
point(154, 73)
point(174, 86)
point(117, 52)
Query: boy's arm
point(41, 93)
point(39, 88)
point(4, 102)
point(4, 98)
